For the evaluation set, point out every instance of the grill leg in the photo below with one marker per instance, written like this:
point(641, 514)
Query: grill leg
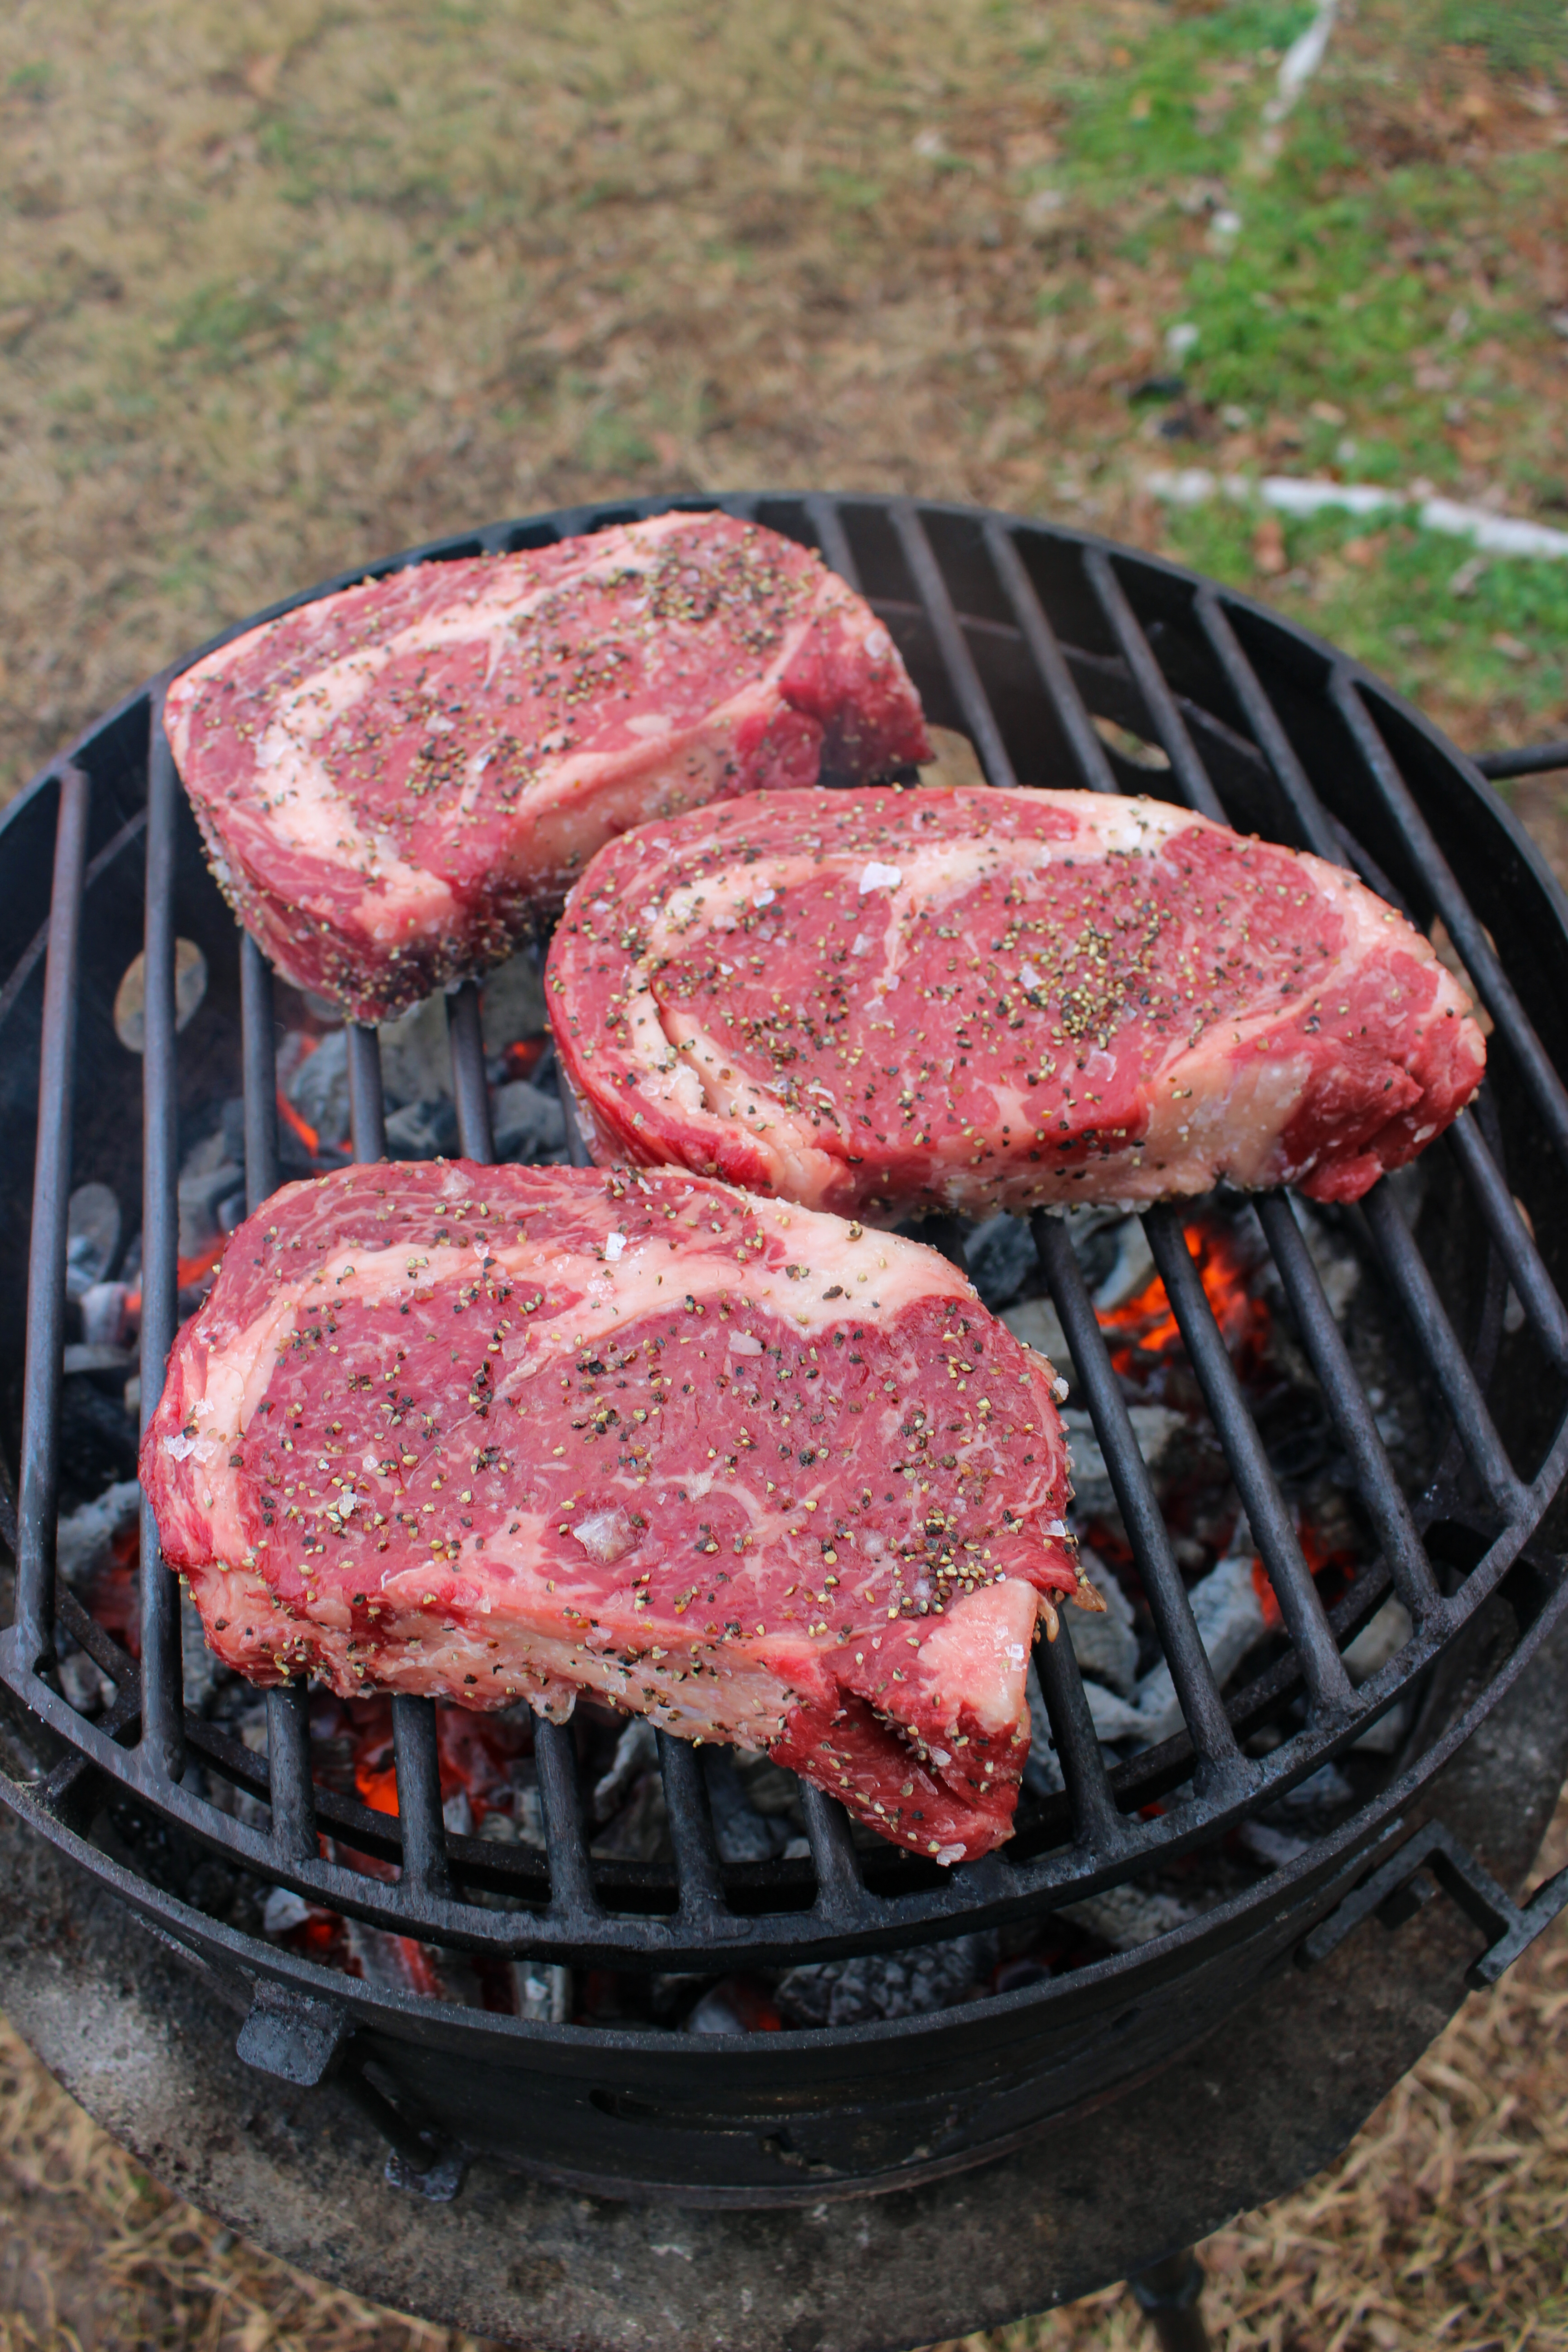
point(1168, 2298)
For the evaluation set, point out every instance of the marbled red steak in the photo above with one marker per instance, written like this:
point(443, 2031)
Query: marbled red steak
point(503, 1433)
point(394, 780)
point(875, 1002)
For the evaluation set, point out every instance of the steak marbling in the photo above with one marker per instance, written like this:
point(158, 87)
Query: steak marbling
point(879, 1002)
point(393, 780)
point(502, 1434)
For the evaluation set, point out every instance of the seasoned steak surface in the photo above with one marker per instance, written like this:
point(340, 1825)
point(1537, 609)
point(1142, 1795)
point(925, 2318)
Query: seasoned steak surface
point(502, 1433)
point(393, 781)
point(876, 1001)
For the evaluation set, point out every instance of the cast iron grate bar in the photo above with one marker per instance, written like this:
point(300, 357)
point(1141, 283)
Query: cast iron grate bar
point(259, 1066)
point(1188, 773)
point(1273, 1529)
point(416, 1757)
point(696, 1869)
point(1470, 940)
point(38, 1486)
point(163, 1715)
point(1535, 760)
point(476, 1140)
point(1347, 1402)
point(421, 1901)
point(1097, 1825)
point(1412, 1283)
point(554, 1749)
point(367, 1111)
point(952, 645)
point(292, 1793)
point(1089, 755)
point(1276, 746)
point(1537, 1292)
point(1213, 1742)
point(833, 540)
point(841, 1900)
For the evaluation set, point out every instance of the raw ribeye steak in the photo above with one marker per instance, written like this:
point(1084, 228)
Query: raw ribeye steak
point(875, 1002)
point(502, 1434)
point(394, 780)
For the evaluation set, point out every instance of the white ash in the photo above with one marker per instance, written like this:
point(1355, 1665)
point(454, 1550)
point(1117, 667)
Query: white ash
point(1386, 1736)
point(1036, 1322)
point(1126, 1916)
point(86, 1686)
point(283, 1911)
point(636, 1752)
point(1326, 1790)
point(1338, 1266)
point(1156, 1428)
point(92, 1237)
point(1104, 1644)
point(423, 1130)
point(85, 1535)
point(544, 1993)
point(884, 1984)
point(1230, 1617)
point(199, 1666)
point(1131, 1270)
point(416, 1054)
point(1380, 1639)
point(1273, 1848)
point(530, 1124)
point(1043, 1774)
point(105, 1316)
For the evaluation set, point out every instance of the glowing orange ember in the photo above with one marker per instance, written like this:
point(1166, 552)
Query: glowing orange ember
point(475, 1751)
point(523, 1057)
point(1318, 1559)
point(1147, 1329)
point(301, 1126)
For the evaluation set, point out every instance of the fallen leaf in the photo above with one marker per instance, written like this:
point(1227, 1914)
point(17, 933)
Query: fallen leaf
point(1327, 414)
point(260, 75)
point(1364, 552)
point(1511, 648)
point(1269, 554)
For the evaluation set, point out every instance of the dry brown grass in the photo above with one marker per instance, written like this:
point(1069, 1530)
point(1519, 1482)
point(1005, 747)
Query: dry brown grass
point(285, 284)
point(1445, 2224)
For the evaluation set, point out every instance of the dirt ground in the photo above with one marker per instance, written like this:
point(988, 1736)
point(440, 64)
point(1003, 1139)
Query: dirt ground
point(1444, 2224)
point(285, 284)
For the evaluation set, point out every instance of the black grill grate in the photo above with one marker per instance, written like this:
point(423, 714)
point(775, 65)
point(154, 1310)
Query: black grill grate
point(1016, 633)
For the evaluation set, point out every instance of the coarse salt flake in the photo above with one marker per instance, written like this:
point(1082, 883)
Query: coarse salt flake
point(613, 1246)
point(879, 878)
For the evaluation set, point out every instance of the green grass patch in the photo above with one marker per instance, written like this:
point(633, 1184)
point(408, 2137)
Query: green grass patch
point(1424, 612)
point(1517, 36)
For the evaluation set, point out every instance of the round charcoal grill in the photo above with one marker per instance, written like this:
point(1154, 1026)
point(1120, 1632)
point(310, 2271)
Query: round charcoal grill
point(1021, 637)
